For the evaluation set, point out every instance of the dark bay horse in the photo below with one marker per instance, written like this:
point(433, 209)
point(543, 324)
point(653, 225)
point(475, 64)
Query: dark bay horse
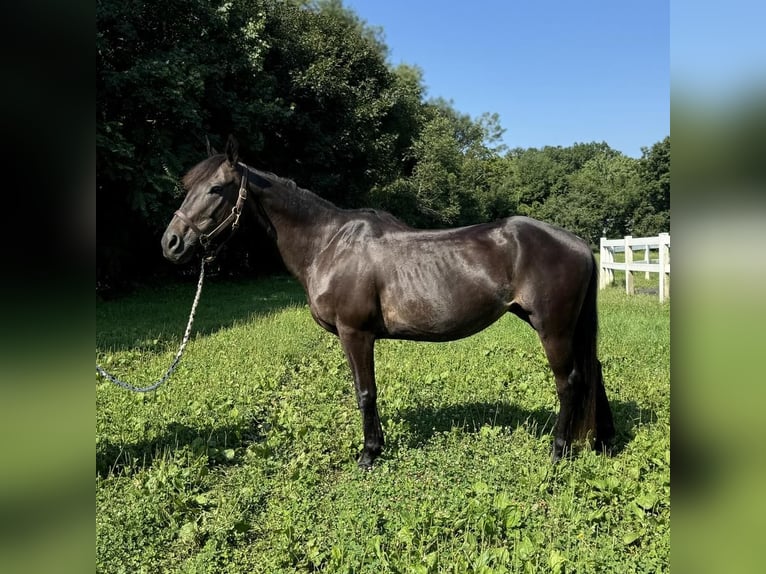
point(369, 276)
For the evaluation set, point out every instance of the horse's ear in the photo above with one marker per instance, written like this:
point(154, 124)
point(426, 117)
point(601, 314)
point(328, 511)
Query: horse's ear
point(211, 151)
point(232, 150)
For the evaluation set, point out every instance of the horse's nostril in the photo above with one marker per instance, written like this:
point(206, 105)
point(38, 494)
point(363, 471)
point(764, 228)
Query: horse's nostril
point(174, 244)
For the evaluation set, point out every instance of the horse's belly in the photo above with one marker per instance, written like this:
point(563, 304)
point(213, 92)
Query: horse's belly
point(441, 294)
point(431, 318)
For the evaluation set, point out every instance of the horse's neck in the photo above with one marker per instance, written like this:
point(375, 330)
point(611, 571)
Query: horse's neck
point(304, 224)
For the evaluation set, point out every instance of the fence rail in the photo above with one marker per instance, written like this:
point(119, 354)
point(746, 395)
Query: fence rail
point(630, 245)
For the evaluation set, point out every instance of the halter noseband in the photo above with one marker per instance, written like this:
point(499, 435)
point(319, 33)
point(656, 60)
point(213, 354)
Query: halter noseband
point(231, 220)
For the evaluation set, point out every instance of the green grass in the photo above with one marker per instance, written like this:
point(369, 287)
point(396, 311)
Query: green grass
point(245, 460)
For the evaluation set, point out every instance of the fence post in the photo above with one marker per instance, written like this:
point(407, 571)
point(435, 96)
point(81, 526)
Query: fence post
point(664, 260)
point(601, 260)
point(628, 260)
point(609, 259)
point(646, 259)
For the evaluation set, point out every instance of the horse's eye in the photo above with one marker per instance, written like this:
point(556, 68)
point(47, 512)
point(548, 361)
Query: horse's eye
point(216, 189)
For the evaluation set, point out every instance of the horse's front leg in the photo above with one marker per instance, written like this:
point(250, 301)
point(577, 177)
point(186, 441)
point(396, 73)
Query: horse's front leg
point(359, 348)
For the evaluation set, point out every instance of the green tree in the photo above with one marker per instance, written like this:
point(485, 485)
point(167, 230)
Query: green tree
point(304, 86)
point(652, 214)
point(452, 175)
point(165, 76)
point(601, 199)
point(534, 174)
point(338, 96)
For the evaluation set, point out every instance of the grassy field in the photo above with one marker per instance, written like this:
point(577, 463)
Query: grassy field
point(245, 460)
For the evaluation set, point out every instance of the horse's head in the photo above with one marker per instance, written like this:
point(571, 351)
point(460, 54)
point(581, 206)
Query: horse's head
point(216, 192)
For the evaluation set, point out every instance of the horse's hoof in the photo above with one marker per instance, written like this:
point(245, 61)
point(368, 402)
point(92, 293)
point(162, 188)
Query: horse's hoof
point(558, 450)
point(365, 461)
point(603, 447)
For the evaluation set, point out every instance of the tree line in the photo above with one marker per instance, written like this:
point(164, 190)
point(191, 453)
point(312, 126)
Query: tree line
point(307, 89)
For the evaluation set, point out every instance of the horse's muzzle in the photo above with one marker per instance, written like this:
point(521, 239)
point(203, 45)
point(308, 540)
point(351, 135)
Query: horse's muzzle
point(174, 248)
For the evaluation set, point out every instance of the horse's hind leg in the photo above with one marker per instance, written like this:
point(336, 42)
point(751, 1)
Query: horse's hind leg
point(568, 383)
point(359, 349)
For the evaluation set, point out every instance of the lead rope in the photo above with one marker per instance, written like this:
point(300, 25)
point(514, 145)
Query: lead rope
point(176, 359)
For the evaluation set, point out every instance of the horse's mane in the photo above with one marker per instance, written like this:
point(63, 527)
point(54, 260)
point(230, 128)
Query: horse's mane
point(302, 200)
point(309, 204)
point(203, 170)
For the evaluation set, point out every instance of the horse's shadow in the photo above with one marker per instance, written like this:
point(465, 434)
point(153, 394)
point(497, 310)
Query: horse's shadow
point(425, 422)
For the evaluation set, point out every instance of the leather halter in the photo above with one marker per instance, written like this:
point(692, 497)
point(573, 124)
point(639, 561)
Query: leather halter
point(231, 220)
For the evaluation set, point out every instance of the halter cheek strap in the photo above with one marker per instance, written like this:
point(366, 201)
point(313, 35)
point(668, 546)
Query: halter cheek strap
point(231, 220)
point(182, 216)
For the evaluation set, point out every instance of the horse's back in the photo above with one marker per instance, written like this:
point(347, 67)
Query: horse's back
point(379, 274)
point(542, 234)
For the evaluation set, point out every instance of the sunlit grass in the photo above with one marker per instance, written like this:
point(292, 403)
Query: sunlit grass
point(245, 460)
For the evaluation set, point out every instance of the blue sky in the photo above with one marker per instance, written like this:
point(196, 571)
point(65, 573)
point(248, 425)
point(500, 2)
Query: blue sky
point(557, 72)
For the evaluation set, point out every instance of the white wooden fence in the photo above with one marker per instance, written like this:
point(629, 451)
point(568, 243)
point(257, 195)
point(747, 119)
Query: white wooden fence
point(630, 245)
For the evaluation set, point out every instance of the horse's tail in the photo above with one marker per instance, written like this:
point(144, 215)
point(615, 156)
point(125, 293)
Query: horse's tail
point(592, 416)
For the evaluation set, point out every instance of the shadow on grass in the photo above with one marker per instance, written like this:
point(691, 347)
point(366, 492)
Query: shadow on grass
point(426, 422)
point(150, 314)
point(628, 416)
point(212, 441)
point(423, 424)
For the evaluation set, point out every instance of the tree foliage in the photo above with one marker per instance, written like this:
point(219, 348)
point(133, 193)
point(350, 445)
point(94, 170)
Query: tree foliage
point(307, 89)
point(652, 213)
